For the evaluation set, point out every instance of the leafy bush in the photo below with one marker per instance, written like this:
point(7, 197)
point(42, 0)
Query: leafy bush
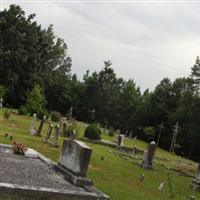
point(2, 91)
point(149, 131)
point(93, 132)
point(22, 110)
point(35, 101)
point(7, 113)
point(111, 132)
point(41, 113)
point(55, 116)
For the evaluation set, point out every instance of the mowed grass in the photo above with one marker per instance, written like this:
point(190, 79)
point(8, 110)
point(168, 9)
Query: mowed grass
point(118, 176)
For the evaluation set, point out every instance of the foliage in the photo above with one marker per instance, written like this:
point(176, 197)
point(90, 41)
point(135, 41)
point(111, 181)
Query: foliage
point(93, 132)
point(111, 132)
point(149, 131)
point(18, 148)
point(22, 110)
point(41, 113)
point(55, 116)
point(7, 113)
point(30, 55)
point(35, 101)
point(2, 91)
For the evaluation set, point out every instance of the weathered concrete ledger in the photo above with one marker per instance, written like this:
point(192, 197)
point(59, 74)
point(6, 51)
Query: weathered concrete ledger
point(75, 157)
point(35, 177)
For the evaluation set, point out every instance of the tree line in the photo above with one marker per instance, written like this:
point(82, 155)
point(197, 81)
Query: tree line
point(31, 55)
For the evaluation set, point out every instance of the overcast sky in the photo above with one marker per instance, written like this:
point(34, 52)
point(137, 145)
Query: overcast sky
point(145, 41)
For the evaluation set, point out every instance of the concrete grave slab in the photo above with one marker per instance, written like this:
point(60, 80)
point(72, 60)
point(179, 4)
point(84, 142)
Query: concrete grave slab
point(75, 156)
point(34, 176)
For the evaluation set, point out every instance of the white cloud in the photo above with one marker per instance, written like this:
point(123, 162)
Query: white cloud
point(145, 41)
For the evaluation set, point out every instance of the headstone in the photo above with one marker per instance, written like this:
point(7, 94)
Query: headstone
point(72, 135)
point(192, 198)
point(75, 156)
point(161, 186)
point(134, 150)
point(41, 126)
point(47, 138)
point(61, 124)
point(130, 134)
point(196, 181)
point(120, 140)
point(135, 138)
point(32, 129)
point(147, 161)
point(141, 177)
point(1, 103)
point(56, 135)
point(64, 126)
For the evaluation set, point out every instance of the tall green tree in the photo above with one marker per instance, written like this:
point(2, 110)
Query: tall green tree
point(29, 55)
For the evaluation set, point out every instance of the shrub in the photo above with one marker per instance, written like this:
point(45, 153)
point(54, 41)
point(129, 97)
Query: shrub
point(55, 116)
point(149, 131)
point(2, 91)
point(111, 132)
point(22, 110)
point(93, 132)
point(41, 113)
point(7, 114)
point(35, 101)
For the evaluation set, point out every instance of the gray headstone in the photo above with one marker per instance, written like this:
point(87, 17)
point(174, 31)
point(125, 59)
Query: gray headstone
point(196, 181)
point(56, 135)
point(64, 127)
point(120, 140)
point(48, 133)
point(134, 150)
point(75, 156)
point(32, 129)
point(41, 125)
point(61, 124)
point(148, 156)
point(192, 198)
point(72, 135)
point(198, 172)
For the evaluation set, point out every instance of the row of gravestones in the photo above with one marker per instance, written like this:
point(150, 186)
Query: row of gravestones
point(147, 161)
point(148, 155)
point(57, 130)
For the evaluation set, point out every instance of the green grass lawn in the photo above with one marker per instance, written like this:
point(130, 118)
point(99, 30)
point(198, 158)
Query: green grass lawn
point(117, 176)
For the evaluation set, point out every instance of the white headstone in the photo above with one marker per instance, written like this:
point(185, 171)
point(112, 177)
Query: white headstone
point(1, 103)
point(32, 130)
point(161, 186)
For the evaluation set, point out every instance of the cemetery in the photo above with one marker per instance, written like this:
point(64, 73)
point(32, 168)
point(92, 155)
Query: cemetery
point(88, 164)
point(99, 136)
